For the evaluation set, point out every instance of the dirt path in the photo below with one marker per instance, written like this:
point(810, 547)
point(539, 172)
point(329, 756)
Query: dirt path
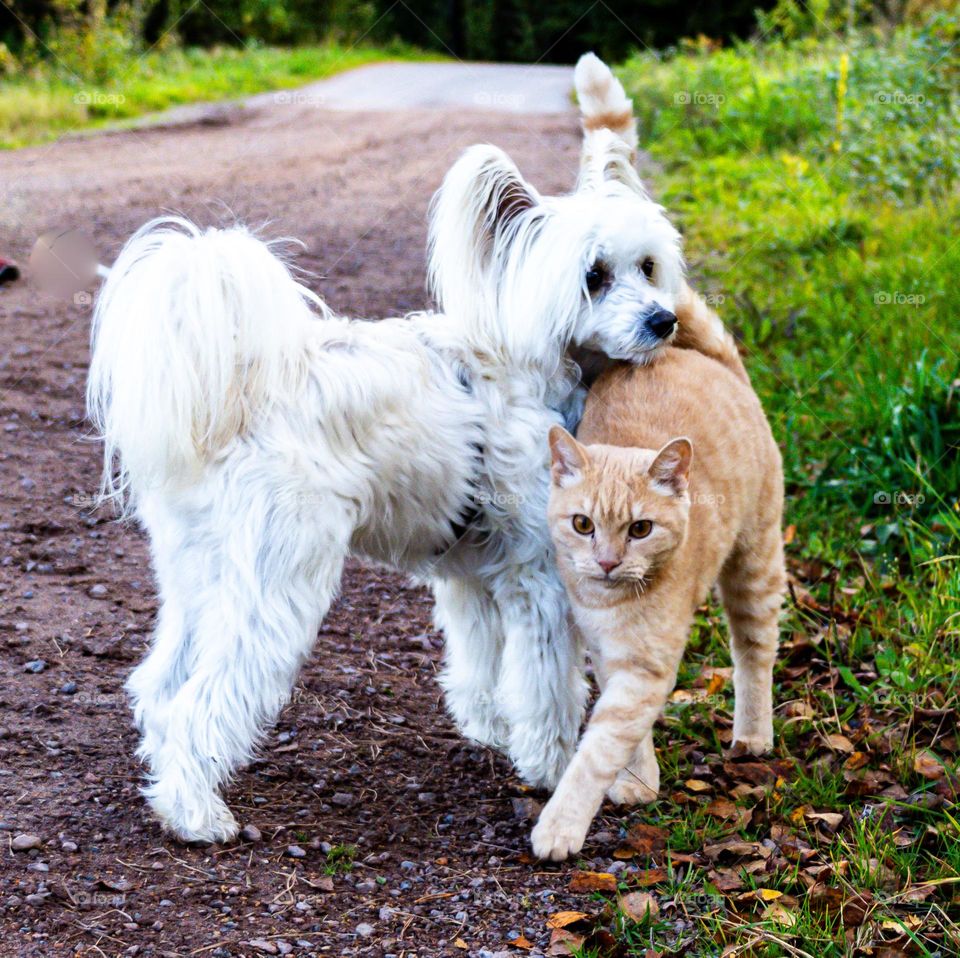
point(364, 756)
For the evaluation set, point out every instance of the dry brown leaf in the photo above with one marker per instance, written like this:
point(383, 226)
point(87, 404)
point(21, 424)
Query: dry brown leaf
point(715, 684)
point(830, 820)
point(839, 743)
point(521, 942)
point(461, 944)
point(563, 942)
point(856, 761)
point(779, 914)
point(561, 919)
point(929, 766)
point(789, 534)
point(639, 905)
point(647, 839)
point(592, 881)
point(697, 785)
point(649, 876)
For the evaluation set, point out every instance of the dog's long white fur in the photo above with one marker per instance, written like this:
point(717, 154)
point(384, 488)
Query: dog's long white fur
point(260, 440)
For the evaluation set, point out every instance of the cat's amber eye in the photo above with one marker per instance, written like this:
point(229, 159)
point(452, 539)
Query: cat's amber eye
point(647, 266)
point(583, 525)
point(640, 529)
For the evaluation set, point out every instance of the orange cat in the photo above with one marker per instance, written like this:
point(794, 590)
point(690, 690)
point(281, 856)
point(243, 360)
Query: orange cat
point(641, 535)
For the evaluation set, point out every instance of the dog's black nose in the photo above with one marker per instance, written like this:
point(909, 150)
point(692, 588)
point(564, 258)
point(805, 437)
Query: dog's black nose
point(661, 322)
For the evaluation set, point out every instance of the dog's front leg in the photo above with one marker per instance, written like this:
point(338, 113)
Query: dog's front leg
point(541, 690)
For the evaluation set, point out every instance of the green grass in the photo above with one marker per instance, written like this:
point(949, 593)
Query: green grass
point(816, 186)
point(71, 90)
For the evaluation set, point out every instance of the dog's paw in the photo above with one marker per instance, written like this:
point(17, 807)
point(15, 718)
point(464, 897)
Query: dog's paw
point(629, 790)
point(558, 835)
point(195, 820)
point(752, 745)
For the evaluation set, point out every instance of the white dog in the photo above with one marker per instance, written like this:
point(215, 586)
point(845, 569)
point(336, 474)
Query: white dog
point(262, 440)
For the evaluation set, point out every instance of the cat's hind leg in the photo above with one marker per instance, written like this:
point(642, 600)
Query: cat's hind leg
point(639, 782)
point(751, 585)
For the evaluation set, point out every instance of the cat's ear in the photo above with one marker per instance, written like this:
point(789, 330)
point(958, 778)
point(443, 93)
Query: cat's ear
point(567, 457)
point(671, 467)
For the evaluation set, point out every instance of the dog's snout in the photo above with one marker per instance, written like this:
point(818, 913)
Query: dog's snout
point(661, 322)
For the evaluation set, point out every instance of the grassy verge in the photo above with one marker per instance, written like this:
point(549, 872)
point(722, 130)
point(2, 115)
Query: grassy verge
point(817, 189)
point(55, 97)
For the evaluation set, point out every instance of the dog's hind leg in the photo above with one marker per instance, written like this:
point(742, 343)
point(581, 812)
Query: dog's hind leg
point(541, 689)
point(473, 637)
point(261, 591)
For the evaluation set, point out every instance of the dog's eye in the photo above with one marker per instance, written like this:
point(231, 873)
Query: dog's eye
point(583, 525)
point(647, 266)
point(595, 277)
point(640, 529)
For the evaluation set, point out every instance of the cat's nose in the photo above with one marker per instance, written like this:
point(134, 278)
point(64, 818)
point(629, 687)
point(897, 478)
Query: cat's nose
point(608, 565)
point(661, 322)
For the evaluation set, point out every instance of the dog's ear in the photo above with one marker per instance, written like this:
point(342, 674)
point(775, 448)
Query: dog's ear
point(671, 467)
point(473, 219)
point(567, 457)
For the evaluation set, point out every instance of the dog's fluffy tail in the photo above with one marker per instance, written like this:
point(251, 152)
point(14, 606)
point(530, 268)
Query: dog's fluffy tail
point(700, 328)
point(603, 103)
point(196, 333)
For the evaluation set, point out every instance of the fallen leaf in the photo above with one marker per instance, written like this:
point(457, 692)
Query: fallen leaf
point(639, 905)
point(592, 881)
point(715, 684)
point(461, 944)
point(563, 942)
point(832, 820)
point(929, 766)
point(521, 942)
point(696, 785)
point(856, 761)
point(724, 809)
point(649, 876)
point(769, 894)
point(561, 919)
point(839, 743)
point(788, 534)
point(647, 839)
point(779, 914)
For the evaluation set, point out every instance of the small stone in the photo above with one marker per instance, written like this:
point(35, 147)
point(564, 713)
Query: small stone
point(97, 591)
point(68, 688)
point(365, 929)
point(262, 945)
point(407, 866)
point(250, 833)
point(295, 851)
point(69, 846)
point(365, 887)
point(284, 947)
point(38, 867)
point(35, 899)
point(25, 842)
point(342, 799)
point(36, 666)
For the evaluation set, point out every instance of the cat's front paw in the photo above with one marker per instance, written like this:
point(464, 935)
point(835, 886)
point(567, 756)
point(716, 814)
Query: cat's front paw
point(628, 790)
point(558, 835)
